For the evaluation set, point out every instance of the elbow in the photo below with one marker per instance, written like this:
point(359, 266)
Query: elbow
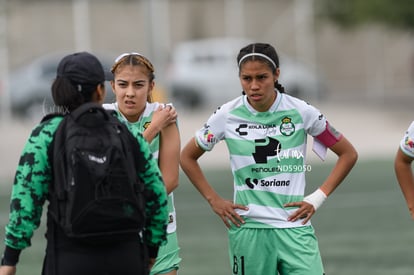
point(183, 162)
point(171, 184)
point(349, 157)
point(353, 157)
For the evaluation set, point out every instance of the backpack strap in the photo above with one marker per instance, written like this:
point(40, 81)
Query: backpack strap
point(55, 191)
point(90, 107)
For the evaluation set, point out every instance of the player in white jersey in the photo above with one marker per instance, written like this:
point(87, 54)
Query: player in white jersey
point(132, 83)
point(266, 131)
point(403, 170)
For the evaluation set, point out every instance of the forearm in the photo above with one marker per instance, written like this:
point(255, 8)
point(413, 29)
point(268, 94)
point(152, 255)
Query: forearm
point(199, 181)
point(196, 176)
point(347, 157)
point(170, 184)
point(7, 270)
point(169, 156)
point(26, 205)
point(150, 133)
point(341, 169)
point(405, 179)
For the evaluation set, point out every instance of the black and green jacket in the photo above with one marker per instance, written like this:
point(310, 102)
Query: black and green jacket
point(31, 187)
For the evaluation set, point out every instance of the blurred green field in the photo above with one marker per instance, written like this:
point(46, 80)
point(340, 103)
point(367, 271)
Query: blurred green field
point(363, 228)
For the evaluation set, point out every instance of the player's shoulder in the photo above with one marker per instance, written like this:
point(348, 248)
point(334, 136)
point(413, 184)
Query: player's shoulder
point(302, 106)
point(49, 122)
point(296, 101)
point(232, 104)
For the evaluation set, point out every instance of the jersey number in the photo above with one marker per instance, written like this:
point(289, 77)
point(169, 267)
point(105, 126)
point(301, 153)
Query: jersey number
point(237, 265)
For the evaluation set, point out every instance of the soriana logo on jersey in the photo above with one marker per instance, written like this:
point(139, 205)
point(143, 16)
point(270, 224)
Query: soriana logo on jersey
point(287, 128)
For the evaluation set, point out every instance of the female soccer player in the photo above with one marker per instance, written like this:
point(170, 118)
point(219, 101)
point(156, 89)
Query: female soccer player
point(133, 83)
point(265, 131)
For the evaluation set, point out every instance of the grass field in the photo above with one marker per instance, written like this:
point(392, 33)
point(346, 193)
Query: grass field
point(363, 228)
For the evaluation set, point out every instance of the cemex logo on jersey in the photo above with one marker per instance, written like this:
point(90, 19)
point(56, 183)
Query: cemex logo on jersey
point(240, 129)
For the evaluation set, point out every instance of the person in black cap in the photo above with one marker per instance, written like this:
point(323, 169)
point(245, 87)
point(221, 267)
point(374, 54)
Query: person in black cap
point(80, 79)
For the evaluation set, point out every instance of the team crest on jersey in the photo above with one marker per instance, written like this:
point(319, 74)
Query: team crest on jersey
point(287, 128)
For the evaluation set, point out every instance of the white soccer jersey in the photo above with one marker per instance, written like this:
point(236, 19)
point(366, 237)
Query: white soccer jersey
point(407, 142)
point(142, 124)
point(267, 153)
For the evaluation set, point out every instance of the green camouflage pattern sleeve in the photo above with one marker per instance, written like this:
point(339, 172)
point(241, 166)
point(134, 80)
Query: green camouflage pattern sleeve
point(156, 208)
point(156, 199)
point(30, 187)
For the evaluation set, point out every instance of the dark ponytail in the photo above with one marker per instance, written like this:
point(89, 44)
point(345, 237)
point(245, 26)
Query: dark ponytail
point(279, 87)
point(66, 96)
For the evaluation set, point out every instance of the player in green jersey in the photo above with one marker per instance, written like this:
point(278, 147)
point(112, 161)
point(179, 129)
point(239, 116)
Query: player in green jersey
point(133, 84)
point(266, 131)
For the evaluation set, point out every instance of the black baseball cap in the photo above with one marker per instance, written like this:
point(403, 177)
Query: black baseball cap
point(83, 69)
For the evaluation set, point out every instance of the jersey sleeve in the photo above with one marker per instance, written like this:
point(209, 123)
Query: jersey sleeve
point(314, 120)
point(30, 187)
point(318, 126)
point(213, 130)
point(407, 142)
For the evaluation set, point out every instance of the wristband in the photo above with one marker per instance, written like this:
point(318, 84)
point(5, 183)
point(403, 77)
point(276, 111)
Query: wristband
point(316, 198)
point(10, 256)
point(4, 261)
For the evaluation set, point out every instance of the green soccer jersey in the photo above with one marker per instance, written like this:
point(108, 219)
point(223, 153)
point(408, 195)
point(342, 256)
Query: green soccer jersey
point(34, 175)
point(140, 126)
point(267, 154)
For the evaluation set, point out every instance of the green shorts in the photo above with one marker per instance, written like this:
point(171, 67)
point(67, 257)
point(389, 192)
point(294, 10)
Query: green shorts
point(257, 251)
point(168, 257)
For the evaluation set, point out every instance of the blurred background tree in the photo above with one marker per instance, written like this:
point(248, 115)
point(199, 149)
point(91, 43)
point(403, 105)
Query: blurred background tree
point(353, 13)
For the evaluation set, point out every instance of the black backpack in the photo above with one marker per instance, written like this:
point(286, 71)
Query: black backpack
point(96, 191)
